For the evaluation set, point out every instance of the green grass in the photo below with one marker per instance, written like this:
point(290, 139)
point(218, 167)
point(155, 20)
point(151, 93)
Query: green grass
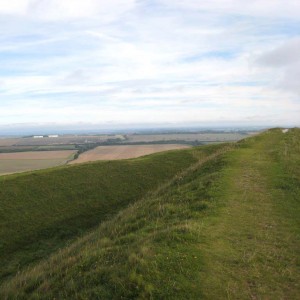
point(41, 211)
point(115, 248)
point(226, 227)
point(252, 248)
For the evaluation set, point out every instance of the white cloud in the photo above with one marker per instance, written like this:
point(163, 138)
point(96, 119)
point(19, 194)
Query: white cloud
point(282, 56)
point(13, 6)
point(265, 8)
point(54, 10)
point(284, 65)
point(137, 61)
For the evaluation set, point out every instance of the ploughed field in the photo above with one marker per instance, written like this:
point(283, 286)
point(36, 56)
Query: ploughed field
point(33, 160)
point(123, 152)
point(211, 137)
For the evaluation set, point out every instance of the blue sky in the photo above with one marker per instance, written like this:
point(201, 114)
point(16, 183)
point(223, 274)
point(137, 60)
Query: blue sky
point(150, 62)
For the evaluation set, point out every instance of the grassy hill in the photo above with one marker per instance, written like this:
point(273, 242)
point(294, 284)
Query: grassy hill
point(225, 224)
point(41, 211)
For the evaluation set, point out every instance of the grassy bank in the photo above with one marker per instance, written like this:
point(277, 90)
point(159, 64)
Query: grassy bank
point(136, 253)
point(226, 227)
point(41, 211)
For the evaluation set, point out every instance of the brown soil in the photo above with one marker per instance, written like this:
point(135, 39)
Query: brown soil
point(37, 155)
point(123, 152)
point(7, 142)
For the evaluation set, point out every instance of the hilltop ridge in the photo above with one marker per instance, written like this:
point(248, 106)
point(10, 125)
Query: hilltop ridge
point(225, 224)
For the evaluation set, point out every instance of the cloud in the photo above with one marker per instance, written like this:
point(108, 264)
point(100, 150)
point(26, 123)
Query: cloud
point(258, 8)
point(57, 10)
point(14, 6)
point(283, 56)
point(155, 61)
point(284, 62)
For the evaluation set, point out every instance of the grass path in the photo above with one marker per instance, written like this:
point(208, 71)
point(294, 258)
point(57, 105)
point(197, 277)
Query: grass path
point(251, 248)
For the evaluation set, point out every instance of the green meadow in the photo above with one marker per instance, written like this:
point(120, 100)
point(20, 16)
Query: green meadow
point(211, 222)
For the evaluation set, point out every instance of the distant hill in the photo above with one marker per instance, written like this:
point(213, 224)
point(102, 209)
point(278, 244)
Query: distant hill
point(210, 222)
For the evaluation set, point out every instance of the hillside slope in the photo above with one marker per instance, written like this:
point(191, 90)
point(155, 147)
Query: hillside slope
point(227, 227)
point(41, 211)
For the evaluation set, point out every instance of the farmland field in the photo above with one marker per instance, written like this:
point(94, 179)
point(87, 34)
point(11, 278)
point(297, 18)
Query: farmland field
point(123, 152)
point(65, 140)
point(27, 161)
point(5, 142)
point(188, 137)
point(60, 140)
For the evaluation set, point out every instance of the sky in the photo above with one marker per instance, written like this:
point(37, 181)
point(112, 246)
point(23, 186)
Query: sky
point(150, 62)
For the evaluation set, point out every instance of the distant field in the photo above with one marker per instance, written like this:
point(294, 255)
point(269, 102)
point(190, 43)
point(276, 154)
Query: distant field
point(60, 140)
point(131, 138)
point(27, 161)
point(189, 137)
point(4, 142)
point(123, 152)
point(65, 140)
